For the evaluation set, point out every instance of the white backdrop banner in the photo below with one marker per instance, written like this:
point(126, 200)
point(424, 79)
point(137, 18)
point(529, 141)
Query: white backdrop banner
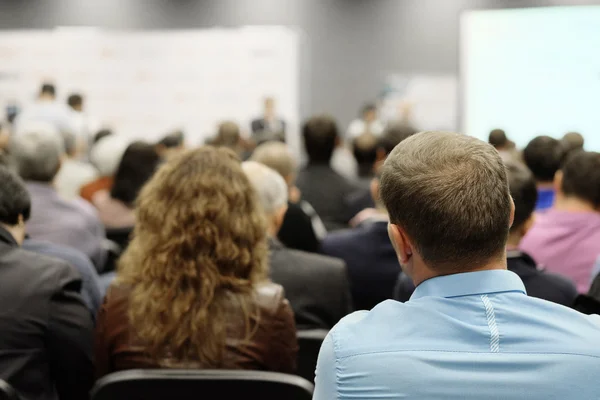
point(145, 83)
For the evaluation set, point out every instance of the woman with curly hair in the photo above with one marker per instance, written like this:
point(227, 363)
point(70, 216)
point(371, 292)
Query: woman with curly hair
point(191, 289)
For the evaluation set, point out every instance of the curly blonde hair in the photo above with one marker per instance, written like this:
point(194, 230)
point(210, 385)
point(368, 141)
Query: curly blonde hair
point(199, 246)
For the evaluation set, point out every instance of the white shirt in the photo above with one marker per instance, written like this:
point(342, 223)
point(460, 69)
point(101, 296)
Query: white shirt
point(358, 127)
point(72, 176)
point(57, 114)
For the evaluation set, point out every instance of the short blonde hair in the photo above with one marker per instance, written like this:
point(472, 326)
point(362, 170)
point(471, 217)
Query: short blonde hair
point(277, 156)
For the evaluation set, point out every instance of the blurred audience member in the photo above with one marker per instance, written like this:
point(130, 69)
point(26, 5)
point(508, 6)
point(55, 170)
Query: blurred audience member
point(84, 124)
point(469, 327)
point(302, 229)
point(46, 110)
point(4, 136)
point(372, 262)
point(572, 141)
point(328, 299)
point(115, 206)
point(192, 289)
point(367, 123)
point(46, 335)
point(105, 155)
point(499, 140)
point(73, 173)
point(538, 282)
point(364, 148)
point(544, 156)
point(268, 125)
point(72, 223)
point(171, 145)
point(320, 185)
point(566, 239)
point(101, 134)
point(228, 135)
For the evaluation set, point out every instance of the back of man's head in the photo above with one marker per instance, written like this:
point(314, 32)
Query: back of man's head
point(523, 191)
point(48, 90)
point(393, 134)
point(581, 177)
point(107, 153)
point(172, 140)
point(498, 138)
point(543, 156)
point(75, 101)
point(228, 135)
point(573, 141)
point(276, 155)
point(14, 198)
point(449, 194)
point(364, 148)
point(320, 138)
point(269, 185)
point(37, 154)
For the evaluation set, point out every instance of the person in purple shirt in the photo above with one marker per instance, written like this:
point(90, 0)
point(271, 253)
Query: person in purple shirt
point(543, 156)
point(566, 238)
point(37, 157)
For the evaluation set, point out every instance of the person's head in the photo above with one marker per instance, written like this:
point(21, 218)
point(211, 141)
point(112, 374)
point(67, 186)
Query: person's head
point(369, 112)
point(543, 156)
point(15, 204)
point(393, 134)
point(269, 107)
point(228, 135)
point(449, 204)
point(75, 101)
point(573, 141)
point(524, 194)
point(364, 148)
point(579, 178)
point(101, 134)
point(498, 139)
point(171, 144)
point(137, 166)
point(199, 245)
point(38, 154)
point(320, 138)
point(106, 154)
point(272, 193)
point(47, 91)
point(277, 155)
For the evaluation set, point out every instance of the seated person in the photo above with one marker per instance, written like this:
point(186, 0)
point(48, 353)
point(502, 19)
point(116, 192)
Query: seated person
point(364, 149)
point(171, 145)
point(192, 288)
point(46, 330)
point(369, 254)
point(544, 156)
point(328, 297)
point(319, 184)
point(74, 223)
point(572, 141)
point(302, 229)
point(115, 207)
point(566, 239)
point(73, 173)
point(469, 331)
point(105, 155)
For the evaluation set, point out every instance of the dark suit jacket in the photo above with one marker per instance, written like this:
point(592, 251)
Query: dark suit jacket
point(316, 286)
point(297, 230)
point(372, 262)
point(261, 132)
point(45, 328)
point(326, 191)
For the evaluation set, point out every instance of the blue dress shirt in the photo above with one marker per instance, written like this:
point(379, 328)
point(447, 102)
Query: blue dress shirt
point(465, 336)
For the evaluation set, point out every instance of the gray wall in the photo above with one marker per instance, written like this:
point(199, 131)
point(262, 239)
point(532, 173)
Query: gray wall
point(348, 48)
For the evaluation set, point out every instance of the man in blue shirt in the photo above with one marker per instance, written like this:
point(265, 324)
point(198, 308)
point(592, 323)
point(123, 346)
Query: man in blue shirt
point(469, 331)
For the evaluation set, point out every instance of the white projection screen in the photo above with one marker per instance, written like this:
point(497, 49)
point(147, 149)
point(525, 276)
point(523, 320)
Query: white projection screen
point(530, 72)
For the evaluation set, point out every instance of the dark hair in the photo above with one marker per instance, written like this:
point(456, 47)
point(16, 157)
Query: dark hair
point(369, 107)
point(498, 138)
point(449, 193)
point(172, 140)
point(523, 191)
point(137, 165)
point(581, 177)
point(320, 138)
point(364, 148)
point(75, 100)
point(543, 156)
point(48, 88)
point(393, 134)
point(101, 134)
point(14, 198)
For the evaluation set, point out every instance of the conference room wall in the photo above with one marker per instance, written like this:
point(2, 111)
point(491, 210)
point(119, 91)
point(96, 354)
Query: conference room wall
point(348, 47)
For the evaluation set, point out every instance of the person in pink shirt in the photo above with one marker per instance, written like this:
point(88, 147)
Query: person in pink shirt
point(566, 239)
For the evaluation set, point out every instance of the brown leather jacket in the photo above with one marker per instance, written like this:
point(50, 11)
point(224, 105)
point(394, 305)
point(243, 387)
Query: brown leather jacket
point(273, 346)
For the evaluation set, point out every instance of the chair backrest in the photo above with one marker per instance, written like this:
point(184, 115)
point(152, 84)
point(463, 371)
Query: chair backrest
point(120, 236)
point(7, 392)
point(159, 384)
point(309, 343)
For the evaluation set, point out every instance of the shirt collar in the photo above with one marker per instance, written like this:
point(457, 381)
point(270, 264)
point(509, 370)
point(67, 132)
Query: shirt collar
point(6, 237)
point(469, 284)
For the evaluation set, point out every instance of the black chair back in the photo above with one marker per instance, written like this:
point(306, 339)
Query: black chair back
point(160, 384)
point(309, 343)
point(120, 236)
point(7, 392)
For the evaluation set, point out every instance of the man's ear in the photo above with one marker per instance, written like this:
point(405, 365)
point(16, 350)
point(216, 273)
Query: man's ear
point(512, 213)
point(558, 179)
point(401, 243)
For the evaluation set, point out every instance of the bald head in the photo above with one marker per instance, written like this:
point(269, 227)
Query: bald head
point(276, 155)
point(37, 153)
point(449, 194)
point(271, 188)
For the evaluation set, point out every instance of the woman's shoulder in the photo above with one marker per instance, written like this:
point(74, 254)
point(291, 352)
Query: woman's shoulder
point(269, 296)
